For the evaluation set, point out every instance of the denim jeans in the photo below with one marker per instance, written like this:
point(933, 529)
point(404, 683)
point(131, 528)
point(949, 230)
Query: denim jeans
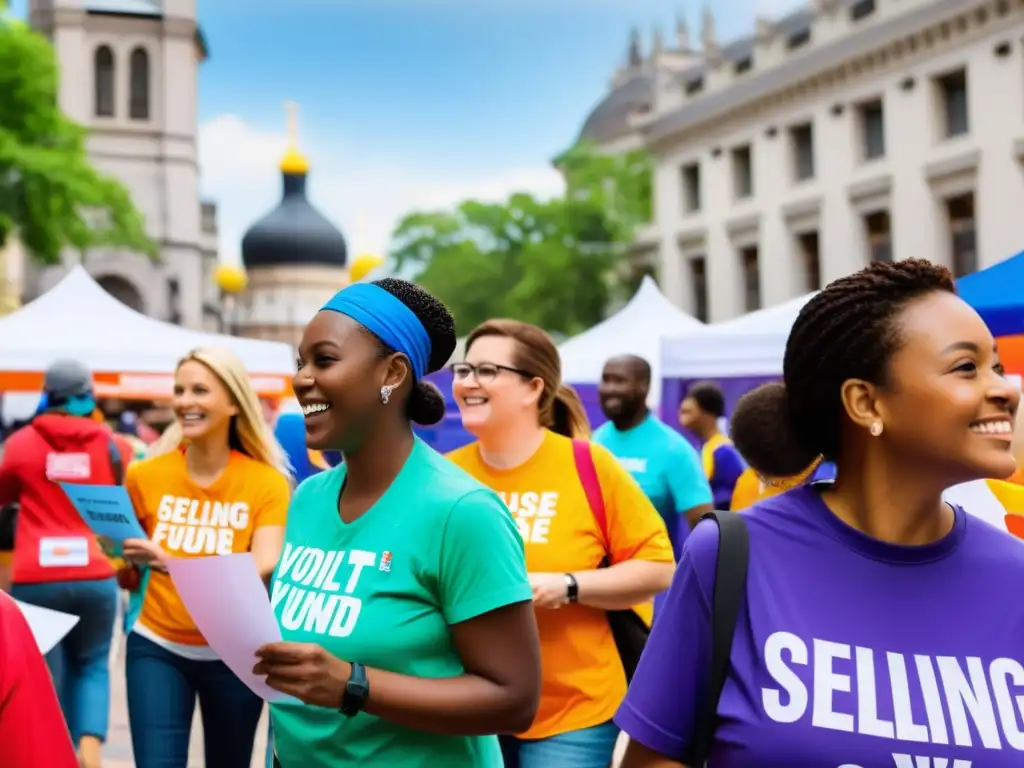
point(80, 663)
point(585, 748)
point(162, 692)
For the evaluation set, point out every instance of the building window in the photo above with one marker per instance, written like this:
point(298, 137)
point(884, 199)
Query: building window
point(138, 107)
point(872, 127)
point(862, 9)
point(751, 279)
point(878, 232)
point(743, 172)
point(962, 234)
point(744, 65)
point(799, 39)
point(810, 258)
point(699, 282)
point(103, 74)
point(174, 301)
point(691, 188)
point(802, 139)
point(952, 90)
point(694, 86)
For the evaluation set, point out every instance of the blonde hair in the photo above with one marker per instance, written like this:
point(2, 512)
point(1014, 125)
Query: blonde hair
point(249, 433)
point(559, 408)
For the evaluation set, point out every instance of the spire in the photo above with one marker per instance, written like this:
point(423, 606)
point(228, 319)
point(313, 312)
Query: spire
point(294, 163)
point(682, 32)
point(636, 57)
point(708, 35)
point(657, 42)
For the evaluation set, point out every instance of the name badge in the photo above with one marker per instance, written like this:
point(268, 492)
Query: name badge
point(62, 467)
point(68, 552)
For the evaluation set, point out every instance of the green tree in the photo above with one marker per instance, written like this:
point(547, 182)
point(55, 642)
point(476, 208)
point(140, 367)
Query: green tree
point(51, 196)
point(548, 262)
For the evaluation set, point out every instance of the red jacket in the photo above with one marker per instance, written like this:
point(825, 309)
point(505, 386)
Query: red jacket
point(32, 727)
point(52, 542)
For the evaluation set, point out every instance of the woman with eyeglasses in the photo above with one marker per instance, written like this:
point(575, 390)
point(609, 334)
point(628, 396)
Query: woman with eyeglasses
point(532, 435)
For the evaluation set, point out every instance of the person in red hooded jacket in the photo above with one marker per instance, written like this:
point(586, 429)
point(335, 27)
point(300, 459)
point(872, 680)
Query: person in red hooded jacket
point(32, 730)
point(58, 563)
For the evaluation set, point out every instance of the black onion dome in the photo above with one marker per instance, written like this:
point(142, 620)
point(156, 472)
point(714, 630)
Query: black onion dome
point(294, 233)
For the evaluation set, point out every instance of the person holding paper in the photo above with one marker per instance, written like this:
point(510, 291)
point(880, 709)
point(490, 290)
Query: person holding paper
point(32, 729)
point(58, 563)
point(402, 596)
point(216, 484)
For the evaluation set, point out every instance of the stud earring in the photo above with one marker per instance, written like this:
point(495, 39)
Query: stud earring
point(385, 393)
point(876, 428)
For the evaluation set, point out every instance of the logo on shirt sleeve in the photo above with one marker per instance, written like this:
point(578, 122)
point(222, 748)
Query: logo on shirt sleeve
point(385, 562)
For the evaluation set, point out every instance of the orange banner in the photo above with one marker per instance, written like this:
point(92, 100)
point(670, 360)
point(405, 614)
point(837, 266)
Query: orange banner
point(138, 386)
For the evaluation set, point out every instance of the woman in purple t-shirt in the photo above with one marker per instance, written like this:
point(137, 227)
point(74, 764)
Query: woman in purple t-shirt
point(880, 626)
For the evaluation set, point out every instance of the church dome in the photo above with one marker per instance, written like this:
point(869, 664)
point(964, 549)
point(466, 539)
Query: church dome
point(295, 233)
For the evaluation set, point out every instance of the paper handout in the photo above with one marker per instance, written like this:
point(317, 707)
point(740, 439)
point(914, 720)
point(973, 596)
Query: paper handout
point(48, 627)
point(229, 603)
point(108, 511)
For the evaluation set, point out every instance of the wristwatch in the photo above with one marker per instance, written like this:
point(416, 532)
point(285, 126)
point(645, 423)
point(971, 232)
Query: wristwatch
point(572, 588)
point(357, 691)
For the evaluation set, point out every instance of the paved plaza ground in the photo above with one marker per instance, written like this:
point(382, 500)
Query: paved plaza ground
point(118, 752)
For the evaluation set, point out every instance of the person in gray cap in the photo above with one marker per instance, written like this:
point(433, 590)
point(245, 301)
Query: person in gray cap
point(58, 563)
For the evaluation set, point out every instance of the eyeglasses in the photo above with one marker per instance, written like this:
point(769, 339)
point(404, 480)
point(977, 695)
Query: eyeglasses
point(484, 373)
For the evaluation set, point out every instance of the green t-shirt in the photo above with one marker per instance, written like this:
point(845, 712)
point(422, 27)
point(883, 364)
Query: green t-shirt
point(438, 548)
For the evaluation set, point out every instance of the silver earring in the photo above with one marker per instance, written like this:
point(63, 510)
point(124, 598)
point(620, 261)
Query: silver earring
point(385, 393)
point(876, 428)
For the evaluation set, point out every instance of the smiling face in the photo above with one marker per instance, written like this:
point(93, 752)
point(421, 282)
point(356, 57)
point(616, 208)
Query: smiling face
point(202, 404)
point(622, 391)
point(946, 403)
point(498, 393)
point(341, 372)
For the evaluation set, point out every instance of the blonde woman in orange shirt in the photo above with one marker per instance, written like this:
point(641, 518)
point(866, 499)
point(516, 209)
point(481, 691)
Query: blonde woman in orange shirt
point(215, 484)
point(525, 420)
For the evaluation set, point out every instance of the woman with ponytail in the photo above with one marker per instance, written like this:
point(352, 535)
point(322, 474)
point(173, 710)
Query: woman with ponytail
point(532, 448)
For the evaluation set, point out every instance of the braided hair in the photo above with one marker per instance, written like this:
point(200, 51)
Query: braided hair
point(426, 403)
point(850, 330)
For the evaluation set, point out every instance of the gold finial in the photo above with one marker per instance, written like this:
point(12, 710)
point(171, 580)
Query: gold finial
point(293, 162)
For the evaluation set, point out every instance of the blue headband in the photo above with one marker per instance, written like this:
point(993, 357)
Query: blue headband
point(388, 319)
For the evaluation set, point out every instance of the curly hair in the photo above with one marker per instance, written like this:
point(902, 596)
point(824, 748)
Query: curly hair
point(848, 330)
point(425, 404)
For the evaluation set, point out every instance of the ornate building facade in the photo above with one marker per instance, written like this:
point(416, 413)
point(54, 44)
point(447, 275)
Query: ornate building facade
point(846, 131)
point(129, 72)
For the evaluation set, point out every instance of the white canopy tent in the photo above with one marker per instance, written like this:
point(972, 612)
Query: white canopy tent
point(750, 345)
point(78, 319)
point(636, 329)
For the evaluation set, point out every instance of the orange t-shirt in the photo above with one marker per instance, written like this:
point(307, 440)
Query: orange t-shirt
point(191, 521)
point(583, 682)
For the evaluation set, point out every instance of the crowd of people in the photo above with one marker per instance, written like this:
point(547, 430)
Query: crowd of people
point(545, 597)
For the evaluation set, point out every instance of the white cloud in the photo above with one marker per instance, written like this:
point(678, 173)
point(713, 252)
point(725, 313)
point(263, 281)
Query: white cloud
point(363, 195)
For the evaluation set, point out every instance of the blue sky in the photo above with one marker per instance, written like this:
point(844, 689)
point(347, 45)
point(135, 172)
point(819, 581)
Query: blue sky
point(409, 103)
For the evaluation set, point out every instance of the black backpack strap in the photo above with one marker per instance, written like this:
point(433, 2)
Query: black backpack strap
point(730, 588)
point(116, 462)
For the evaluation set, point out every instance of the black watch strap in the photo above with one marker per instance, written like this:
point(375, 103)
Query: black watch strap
point(357, 691)
point(572, 588)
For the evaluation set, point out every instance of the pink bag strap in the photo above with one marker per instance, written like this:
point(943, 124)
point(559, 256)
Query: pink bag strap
point(587, 471)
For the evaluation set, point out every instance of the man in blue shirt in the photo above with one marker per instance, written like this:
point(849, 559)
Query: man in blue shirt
point(667, 467)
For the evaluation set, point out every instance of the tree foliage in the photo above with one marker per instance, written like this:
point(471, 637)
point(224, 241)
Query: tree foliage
point(548, 262)
point(50, 194)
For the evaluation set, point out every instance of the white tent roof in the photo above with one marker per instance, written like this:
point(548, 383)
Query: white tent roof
point(636, 329)
point(78, 319)
point(750, 345)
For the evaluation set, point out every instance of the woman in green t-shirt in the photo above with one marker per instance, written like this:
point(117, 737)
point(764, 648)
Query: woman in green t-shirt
point(402, 594)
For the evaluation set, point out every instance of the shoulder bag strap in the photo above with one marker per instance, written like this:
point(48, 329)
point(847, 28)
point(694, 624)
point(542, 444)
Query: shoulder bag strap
point(730, 588)
point(587, 471)
point(116, 462)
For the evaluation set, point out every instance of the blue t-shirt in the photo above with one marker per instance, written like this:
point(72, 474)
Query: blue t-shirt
point(436, 549)
point(665, 465)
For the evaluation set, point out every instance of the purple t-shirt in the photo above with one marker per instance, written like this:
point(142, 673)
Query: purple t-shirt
point(849, 652)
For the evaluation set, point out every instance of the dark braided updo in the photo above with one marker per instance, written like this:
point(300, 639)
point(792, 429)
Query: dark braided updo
point(848, 331)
